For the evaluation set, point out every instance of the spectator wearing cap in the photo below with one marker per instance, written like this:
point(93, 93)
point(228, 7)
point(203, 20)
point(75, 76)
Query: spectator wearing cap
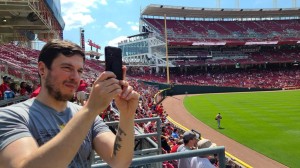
point(190, 140)
point(203, 161)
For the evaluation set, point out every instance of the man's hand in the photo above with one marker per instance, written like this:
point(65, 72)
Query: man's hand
point(127, 100)
point(105, 88)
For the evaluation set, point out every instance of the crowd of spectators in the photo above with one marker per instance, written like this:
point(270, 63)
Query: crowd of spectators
point(249, 78)
point(10, 89)
point(173, 139)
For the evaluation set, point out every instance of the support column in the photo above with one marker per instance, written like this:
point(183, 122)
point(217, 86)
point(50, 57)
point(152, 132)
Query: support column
point(156, 65)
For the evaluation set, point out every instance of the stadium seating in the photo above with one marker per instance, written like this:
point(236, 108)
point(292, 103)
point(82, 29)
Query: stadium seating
point(252, 78)
point(20, 60)
point(187, 30)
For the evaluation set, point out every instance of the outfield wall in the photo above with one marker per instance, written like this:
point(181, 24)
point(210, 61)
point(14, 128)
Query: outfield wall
point(189, 89)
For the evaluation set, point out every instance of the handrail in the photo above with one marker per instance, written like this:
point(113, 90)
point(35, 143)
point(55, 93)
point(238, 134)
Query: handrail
point(160, 92)
point(13, 100)
point(220, 151)
point(146, 135)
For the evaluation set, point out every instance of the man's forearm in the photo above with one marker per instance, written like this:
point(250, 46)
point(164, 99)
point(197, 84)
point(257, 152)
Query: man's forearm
point(60, 150)
point(124, 142)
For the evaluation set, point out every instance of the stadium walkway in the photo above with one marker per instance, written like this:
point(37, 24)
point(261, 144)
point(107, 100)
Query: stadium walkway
point(176, 110)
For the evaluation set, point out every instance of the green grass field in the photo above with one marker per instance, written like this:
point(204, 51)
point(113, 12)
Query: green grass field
point(267, 122)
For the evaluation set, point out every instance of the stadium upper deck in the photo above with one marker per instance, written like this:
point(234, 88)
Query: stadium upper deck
point(218, 13)
point(207, 36)
point(226, 26)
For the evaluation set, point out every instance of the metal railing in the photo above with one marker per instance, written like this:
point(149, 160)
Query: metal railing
point(157, 134)
point(13, 100)
point(154, 147)
point(220, 151)
point(144, 157)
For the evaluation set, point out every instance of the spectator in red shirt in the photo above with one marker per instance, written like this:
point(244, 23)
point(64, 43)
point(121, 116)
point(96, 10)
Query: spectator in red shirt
point(81, 92)
point(36, 92)
point(5, 85)
point(23, 90)
point(175, 147)
point(160, 109)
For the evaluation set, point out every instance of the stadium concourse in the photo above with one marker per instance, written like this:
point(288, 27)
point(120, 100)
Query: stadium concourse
point(176, 110)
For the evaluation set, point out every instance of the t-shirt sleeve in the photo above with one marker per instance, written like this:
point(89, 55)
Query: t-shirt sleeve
point(12, 127)
point(99, 127)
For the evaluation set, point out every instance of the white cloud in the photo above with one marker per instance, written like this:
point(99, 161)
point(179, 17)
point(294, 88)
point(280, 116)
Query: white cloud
point(124, 1)
point(112, 25)
point(133, 25)
point(103, 2)
point(135, 28)
point(115, 41)
point(77, 13)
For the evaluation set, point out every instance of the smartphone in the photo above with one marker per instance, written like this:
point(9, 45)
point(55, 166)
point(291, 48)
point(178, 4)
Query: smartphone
point(113, 61)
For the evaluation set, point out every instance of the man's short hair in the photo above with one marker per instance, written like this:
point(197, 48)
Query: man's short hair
point(55, 47)
point(6, 78)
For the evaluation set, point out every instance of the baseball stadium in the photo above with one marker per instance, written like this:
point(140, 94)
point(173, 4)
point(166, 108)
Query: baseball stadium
point(231, 77)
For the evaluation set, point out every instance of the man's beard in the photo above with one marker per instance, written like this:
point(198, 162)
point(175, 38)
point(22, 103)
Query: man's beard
point(54, 91)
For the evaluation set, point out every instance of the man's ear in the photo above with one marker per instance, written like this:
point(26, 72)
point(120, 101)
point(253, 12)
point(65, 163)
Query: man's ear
point(42, 68)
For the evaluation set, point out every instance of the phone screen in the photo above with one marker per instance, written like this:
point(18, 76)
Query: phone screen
point(113, 61)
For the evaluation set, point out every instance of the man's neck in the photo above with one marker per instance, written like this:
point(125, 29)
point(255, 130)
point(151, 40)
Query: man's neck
point(48, 100)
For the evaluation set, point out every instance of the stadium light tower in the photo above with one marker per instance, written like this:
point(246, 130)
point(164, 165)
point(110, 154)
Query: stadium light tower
point(237, 4)
point(218, 2)
point(274, 3)
point(294, 2)
point(167, 57)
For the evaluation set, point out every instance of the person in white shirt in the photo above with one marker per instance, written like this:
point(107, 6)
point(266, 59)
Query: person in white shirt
point(190, 140)
point(203, 161)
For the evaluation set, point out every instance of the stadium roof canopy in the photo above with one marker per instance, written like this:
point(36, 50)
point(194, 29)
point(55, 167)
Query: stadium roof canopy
point(196, 12)
point(137, 35)
point(22, 19)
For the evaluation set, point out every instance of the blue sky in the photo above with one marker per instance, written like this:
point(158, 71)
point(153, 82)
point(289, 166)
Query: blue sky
point(107, 22)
